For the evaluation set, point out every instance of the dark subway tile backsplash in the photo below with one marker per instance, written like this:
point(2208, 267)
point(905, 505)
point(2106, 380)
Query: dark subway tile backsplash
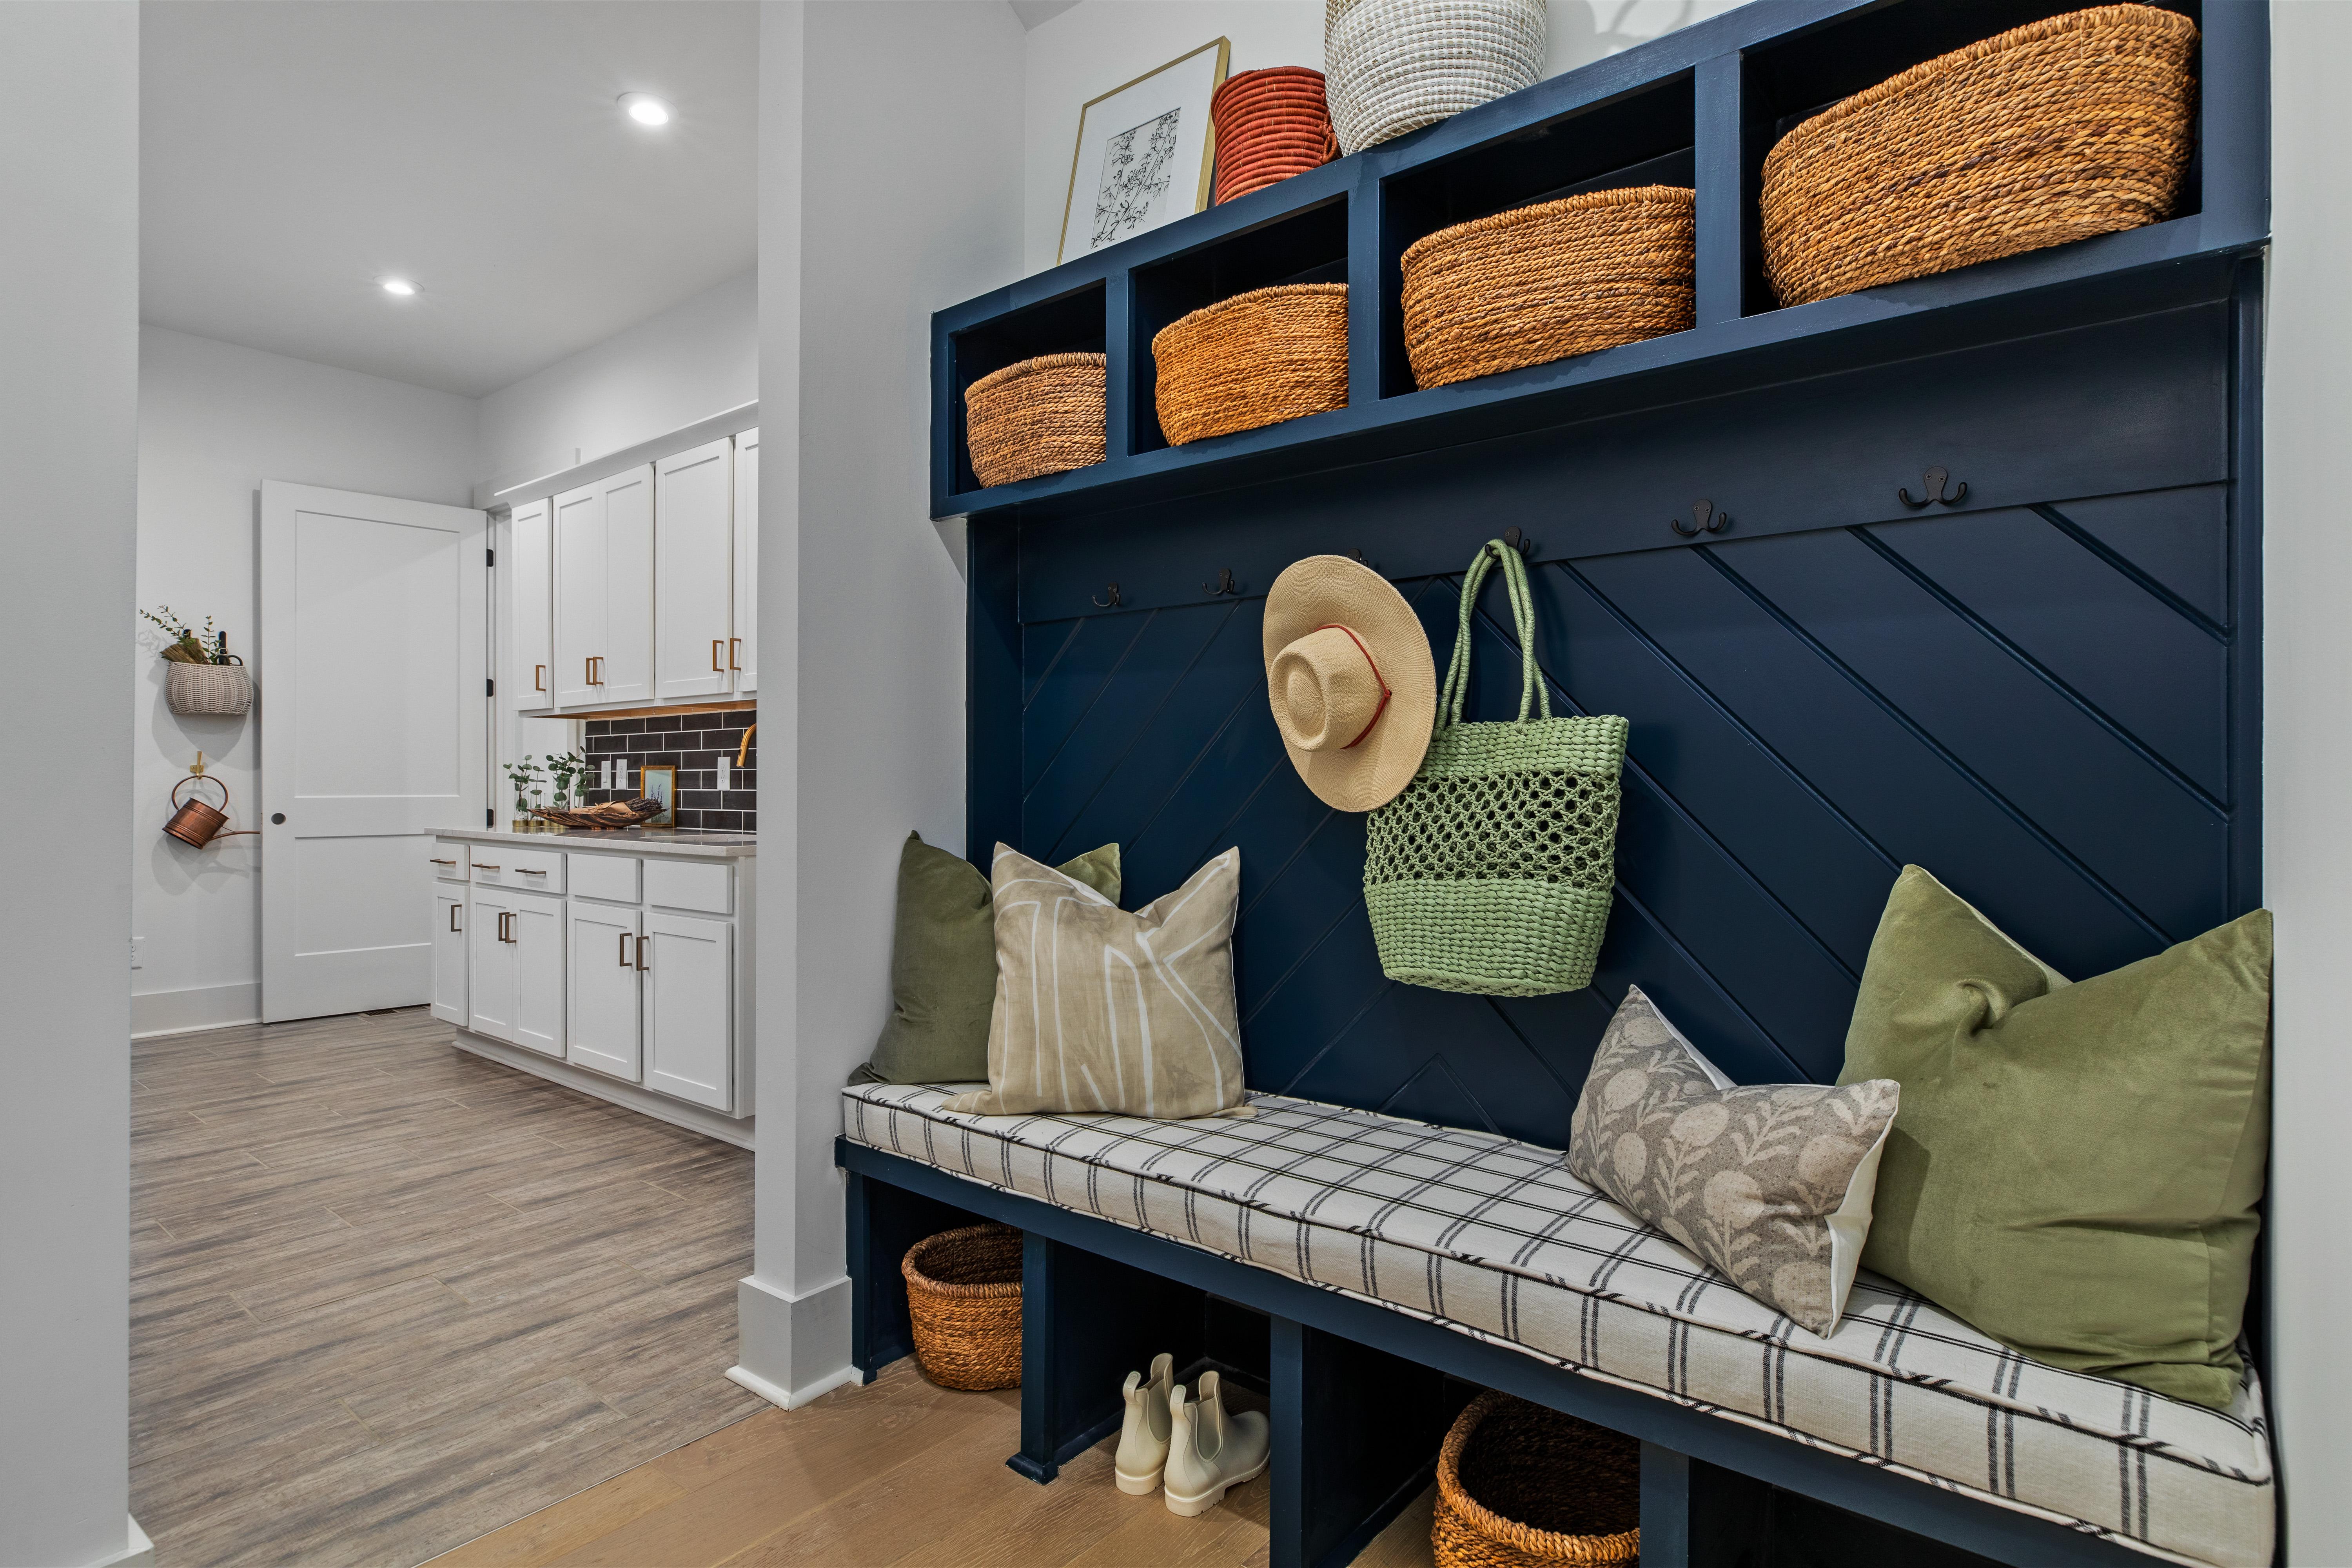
point(692, 743)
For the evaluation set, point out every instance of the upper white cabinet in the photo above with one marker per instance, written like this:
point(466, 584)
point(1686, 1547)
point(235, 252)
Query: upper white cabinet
point(694, 572)
point(743, 654)
point(605, 591)
point(530, 549)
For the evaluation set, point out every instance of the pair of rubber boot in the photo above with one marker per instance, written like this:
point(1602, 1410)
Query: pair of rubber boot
point(1189, 1448)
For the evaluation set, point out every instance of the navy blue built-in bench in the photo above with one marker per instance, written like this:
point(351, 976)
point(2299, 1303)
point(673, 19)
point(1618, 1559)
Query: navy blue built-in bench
point(2045, 687)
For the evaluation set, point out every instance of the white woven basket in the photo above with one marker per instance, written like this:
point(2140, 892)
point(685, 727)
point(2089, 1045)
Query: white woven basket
point(207, 689)
point(1394, 66)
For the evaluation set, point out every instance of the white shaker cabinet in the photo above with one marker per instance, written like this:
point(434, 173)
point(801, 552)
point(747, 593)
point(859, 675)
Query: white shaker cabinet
point(449, 952)
point(607, 1028)
point(743, 653)
point(605, 591)
point(515, 954)
point(694, 572)
point(530, 549)
point(689, 1008)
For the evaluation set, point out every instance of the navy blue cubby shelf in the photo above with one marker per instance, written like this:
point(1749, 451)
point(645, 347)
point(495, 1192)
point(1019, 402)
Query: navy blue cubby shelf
point(1700, 107)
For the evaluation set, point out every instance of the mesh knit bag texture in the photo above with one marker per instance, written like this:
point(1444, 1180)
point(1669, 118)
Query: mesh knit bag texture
point(1395, 66)
point(1491, 873)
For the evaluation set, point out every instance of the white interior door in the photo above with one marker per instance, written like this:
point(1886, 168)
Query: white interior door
point(374, 662)
point(694, 567)
point(744, 654)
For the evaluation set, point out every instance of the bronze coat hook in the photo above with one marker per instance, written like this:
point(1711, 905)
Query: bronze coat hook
point(1935, 480)
point(1223, 585)
point(1705, 519)
point(1519, 542)
point(1109, 603)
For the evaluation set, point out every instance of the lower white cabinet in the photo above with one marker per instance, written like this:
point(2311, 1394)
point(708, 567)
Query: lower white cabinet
point(449, 952)
point(689, 1007)
point(515, 956)
point(607, 994)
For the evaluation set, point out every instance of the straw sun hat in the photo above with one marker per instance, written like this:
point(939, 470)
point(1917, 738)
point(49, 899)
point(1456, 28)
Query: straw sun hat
point(1349, 673)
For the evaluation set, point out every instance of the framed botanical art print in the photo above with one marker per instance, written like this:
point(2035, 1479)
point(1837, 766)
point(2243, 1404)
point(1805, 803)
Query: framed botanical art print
point(1146, 151)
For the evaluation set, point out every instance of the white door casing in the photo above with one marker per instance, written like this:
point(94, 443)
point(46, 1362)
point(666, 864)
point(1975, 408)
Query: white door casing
point(373, 661)
point(694, 563)
point(689, 1008)
point(743, 656)
point(604, 1030)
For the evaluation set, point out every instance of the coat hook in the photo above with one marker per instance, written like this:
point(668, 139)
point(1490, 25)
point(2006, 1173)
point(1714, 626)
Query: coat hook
point(1360, 558)
point(1519, 542)
point(1935, 479)
point(1705, 519)
point(1109, 603)
point(1223, 585)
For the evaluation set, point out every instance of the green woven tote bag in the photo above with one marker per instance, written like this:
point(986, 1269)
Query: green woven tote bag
point(1491, 873)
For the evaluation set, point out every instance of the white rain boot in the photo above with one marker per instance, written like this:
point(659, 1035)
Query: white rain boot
point(1143, 1438)
point(1208, 1449)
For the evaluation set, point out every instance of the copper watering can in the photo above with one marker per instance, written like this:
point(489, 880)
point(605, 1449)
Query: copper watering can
point(198, 822)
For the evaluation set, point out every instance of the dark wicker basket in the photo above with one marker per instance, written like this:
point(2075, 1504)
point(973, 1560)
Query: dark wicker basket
point(1043, 415)
point(1520, 1486)
point(1541, 283)
point(1256, 359)
point(963, 1294)
point(2074, 126)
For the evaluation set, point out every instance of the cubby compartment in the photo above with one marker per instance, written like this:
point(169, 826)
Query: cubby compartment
point(1310, 246)
point(1788, 82)
point(1074, 323)
point(1640, 138)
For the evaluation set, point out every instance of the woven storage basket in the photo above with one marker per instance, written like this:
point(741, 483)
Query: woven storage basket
point(1271, 124)
point(1520, 1486)
point(1398, 65)
point(1042, 415)
point(1256, 359)
point(963, 1294)
point(207, 689)
point(1541, 283)
point(2068, 127)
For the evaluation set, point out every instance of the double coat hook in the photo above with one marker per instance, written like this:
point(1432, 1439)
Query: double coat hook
point(1223, 585)
point(1705, 519)
point(1935, 479)
point(1109, 603)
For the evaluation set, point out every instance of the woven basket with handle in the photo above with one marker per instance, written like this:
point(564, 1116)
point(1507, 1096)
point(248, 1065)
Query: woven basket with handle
point(964, 1296)
point(1398, 65)
point(207, 689)
point(2074, 126)
point(1520, 1486)
point(1043, 415)
point(1256, 359)
point(1541, 283)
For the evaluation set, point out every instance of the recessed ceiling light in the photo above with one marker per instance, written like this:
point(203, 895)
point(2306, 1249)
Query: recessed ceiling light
point(399, 286)
point(645, 109)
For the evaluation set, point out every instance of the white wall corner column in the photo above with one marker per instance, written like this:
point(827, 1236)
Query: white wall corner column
point(68, 429)
point(2307, 755)
point(861, 707)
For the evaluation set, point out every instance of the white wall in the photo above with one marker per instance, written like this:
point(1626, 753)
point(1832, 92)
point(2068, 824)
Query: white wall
point(1096, 46)
point(695, 358)
point(215, 420)
point(863, 732)
point(68, 411)
point(2308, 756)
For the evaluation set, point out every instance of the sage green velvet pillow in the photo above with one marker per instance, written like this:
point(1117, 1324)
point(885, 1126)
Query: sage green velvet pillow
point(943, 965)
point(2075, 1166)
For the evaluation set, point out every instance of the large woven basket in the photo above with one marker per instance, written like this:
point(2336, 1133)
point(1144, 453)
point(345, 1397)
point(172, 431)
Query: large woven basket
point(1520, 1486)
point(1256, 359)
point(208, 689)
point(1398, 65)
point(2067, 127)
point(1271, 124)
point(1043, 415)
point(963, 1294)
point(1541, 283)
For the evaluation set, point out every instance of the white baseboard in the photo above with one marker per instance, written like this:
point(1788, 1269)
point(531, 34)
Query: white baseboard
point(744, 1134)
point(138, 1552)
point(197, 1007)
point(792, 1349)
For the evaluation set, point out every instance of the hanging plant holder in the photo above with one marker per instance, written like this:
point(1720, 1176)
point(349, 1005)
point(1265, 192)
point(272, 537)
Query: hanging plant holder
point(209, 690)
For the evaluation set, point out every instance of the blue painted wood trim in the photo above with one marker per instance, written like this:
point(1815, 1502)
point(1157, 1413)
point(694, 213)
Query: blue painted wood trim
point(1990, 1531)
point(1720, 155)
point(1665, 1508)
point(992, 689)
point(1040, 1367)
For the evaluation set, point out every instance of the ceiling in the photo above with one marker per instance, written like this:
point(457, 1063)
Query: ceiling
point(294, 154)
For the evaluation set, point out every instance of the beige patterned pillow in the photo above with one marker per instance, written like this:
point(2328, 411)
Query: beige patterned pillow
point(1770, 1184)
point(1098, 1009)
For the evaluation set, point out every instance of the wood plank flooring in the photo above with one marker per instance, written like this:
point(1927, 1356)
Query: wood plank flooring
point(900, 1473)
point(387, 1295)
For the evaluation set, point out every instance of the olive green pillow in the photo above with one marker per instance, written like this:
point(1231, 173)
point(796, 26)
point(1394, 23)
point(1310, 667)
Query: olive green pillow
point(2075, 1166)
point(943, 965)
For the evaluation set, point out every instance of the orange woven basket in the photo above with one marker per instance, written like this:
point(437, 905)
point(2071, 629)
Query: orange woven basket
point(1042, 415)
point(1520, 1486)
point(963, 1301)
point(1271, 124)
point(1256, 359)
point(1541, 283)
point(2074, 126)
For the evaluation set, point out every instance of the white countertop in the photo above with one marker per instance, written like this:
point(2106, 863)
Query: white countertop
point(710, 846)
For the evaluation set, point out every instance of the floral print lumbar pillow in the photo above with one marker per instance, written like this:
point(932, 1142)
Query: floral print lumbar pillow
point(1770, 1184)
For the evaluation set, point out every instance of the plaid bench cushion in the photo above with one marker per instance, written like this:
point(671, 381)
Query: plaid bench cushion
point(1494, 1238)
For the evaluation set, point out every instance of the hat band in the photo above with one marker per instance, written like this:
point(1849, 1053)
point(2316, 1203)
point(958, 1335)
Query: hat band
point(1385, 693)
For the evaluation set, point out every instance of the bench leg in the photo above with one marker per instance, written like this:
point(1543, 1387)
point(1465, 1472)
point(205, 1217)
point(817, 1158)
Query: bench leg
point(1665, 1508)
point(1356, 1435)
point(1087, 1322)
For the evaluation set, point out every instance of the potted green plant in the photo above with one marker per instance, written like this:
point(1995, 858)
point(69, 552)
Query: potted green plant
point(201, 675)
point(525, 777)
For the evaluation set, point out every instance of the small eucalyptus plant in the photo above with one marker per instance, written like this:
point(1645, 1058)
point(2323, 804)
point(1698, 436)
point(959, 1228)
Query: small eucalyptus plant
point(525, 776)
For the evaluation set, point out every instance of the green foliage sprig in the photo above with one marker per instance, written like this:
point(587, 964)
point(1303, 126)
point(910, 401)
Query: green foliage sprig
point(188, 646)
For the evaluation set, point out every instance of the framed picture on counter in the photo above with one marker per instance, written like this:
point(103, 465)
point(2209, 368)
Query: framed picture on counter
point(1145, 153)
point(659, 781)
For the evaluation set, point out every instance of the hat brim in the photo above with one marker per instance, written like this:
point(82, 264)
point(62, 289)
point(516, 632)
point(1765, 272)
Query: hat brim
point(1331, 590)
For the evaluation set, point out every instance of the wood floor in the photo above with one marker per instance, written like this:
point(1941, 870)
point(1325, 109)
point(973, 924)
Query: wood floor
point(900, 1473)
point(387, 1295)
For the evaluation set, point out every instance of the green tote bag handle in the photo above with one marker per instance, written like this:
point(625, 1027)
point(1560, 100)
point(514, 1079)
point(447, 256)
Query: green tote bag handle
point(1533, 692)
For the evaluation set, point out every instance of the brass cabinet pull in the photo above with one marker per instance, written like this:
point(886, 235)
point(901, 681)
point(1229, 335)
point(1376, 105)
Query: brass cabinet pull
point(437, 860)
point(527, 871)
point(453, 915)
point(595, 676)
point(625, 950)
point(538, 678)
point(715, 668)
point(480, 866)
point(733, 645)
point(642, 964)
point(505, 927)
